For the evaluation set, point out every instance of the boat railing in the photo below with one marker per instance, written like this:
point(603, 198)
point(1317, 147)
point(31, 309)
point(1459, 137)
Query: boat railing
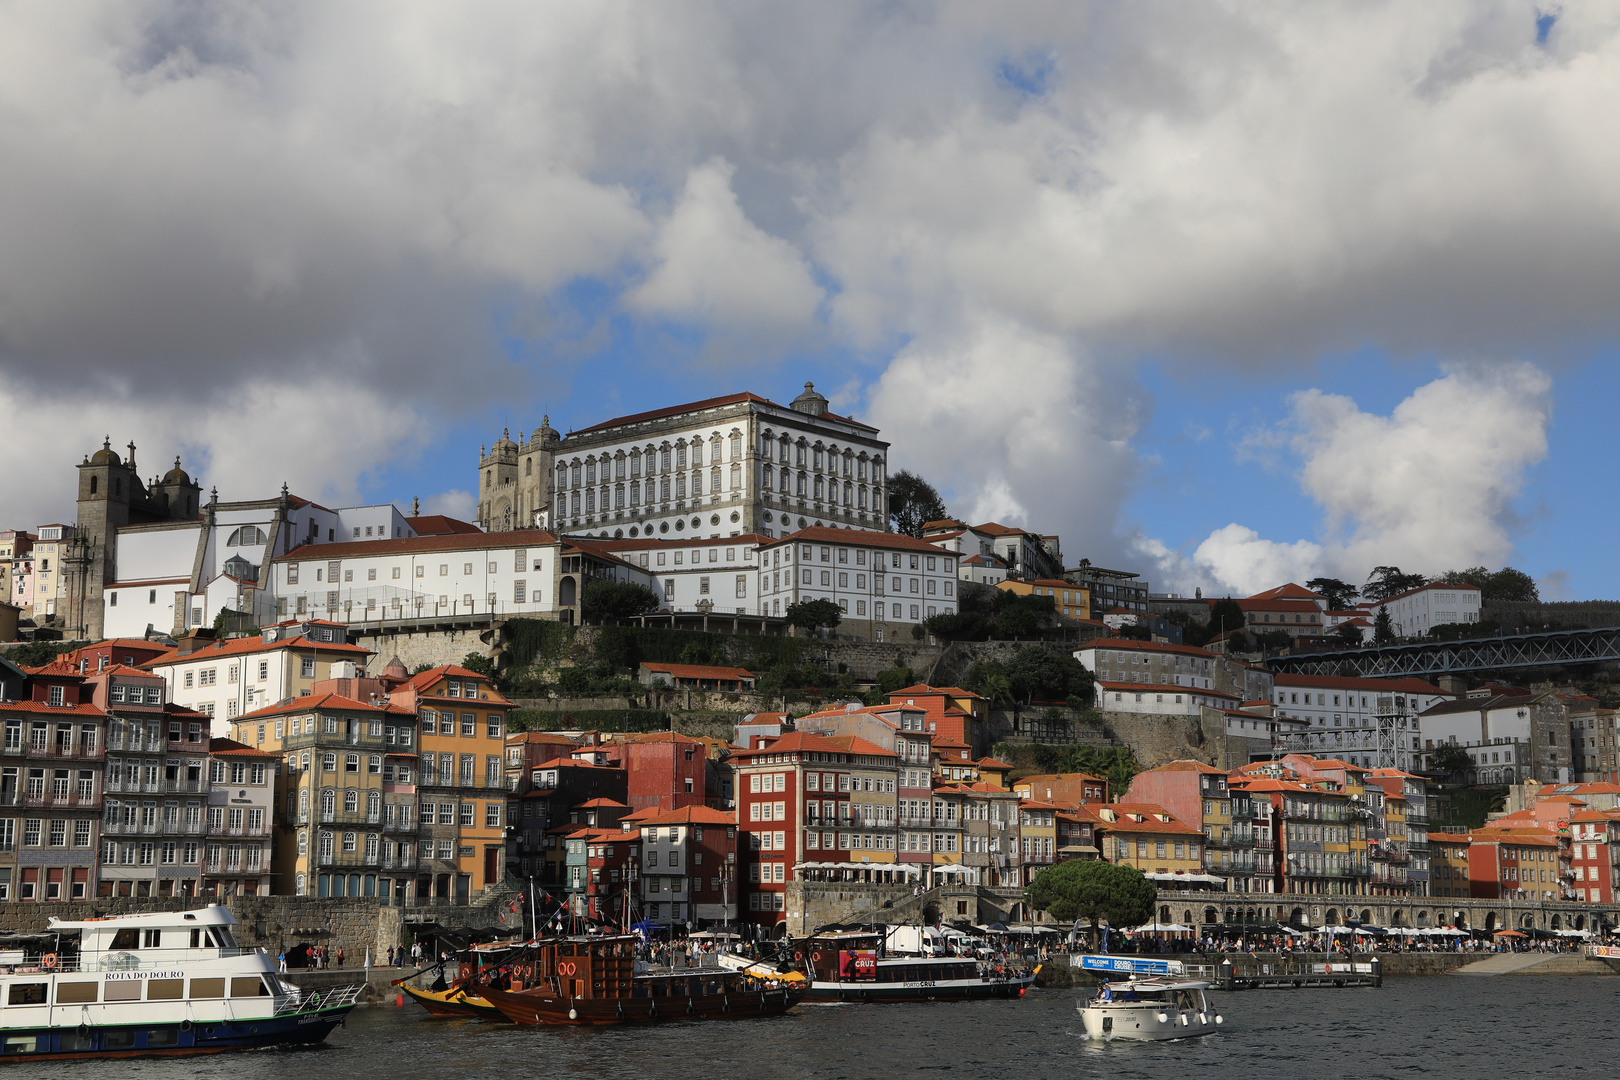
point(128, 961)
point(307, 1001)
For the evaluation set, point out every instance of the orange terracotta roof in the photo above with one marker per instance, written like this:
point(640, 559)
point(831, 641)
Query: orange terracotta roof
point(1128, 645)
point(40, 708)
point(854, 744)
point(232, 748)
point(698, 671)
point(795, 742)
point(316, 702)
point(248, 645)
point(706, 403)
point(691, 815)
point(1186, 765)
point(821, 534)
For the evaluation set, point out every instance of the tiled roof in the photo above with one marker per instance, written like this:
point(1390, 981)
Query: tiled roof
point(247, 645)
point(821, 534)
point(1290, 591)
point(1186, 765)
point(706, 403)
point(795, 742)
point(321, 701)
point(1431, 585)
point(232, 748)
point(1345, 682)
point(440, 525)
point(698, 671)
point(924, 690)
point(1128, 645)
point(40, 708)
point(1160, 688)
point(854, 744)
point(351, 549)
point(691, 815)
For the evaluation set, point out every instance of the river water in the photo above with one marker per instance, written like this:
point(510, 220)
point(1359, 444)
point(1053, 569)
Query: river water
point(1444, 1026)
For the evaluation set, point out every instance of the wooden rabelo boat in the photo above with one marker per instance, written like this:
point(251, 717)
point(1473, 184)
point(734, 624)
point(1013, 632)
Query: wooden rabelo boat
point(453, 1003)
point(593, 981)
point(455, 999)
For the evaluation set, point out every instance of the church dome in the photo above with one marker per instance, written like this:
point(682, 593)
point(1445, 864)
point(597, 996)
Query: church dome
point(176, 475)
point(546, 433)
point(105, 456)
point(810, 402)
point(506, 440)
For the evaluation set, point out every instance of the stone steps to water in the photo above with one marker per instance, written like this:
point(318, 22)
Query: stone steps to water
point(1531, 964)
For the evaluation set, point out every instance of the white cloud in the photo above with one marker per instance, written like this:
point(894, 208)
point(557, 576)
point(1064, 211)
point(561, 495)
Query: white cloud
point(716, 267)
point(1014, 202)
point(321, 440)
point(1011, 427)
point(461, 505)
point(1428, 488)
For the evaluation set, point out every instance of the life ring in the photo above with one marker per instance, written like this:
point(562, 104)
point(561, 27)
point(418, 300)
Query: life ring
point(84, 1030)
point(185, 1025)
point(48, 961)
point(567, 967)
point(815, 957)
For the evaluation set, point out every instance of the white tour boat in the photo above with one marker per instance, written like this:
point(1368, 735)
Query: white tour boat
point(1155, 1000)
point(165, 983)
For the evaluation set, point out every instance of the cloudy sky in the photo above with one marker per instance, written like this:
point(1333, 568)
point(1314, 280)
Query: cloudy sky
point(1230, 294)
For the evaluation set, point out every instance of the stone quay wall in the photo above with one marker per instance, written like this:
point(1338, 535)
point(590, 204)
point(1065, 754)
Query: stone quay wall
point(416, 647)
point(270, 922)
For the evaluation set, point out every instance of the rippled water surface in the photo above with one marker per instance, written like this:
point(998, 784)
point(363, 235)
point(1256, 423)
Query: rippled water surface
point(1446, 1026)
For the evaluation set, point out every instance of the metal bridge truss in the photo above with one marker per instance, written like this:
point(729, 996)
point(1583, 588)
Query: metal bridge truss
point(1558, 647)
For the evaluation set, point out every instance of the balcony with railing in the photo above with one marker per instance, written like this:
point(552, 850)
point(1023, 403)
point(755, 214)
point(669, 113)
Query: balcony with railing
point(227, 831)
point(62, 800)
point(162, 827)
point(348, 858)
point(398, 862)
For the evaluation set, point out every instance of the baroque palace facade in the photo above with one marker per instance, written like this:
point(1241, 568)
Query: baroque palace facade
point(726, 466)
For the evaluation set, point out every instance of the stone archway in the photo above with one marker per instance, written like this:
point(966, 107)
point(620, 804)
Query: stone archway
point(1528, 922)
point(1366, 916)
point(567, 592)
point(1460, 919)
point(1164, 913)
point(1490, 922)
point(1297, 916)
point(1230, 916)
point(1556, 924)
point(1211, 915)
point(1186, 917)
point(1580, 922)
point(1398, 919)
point(1330, 917)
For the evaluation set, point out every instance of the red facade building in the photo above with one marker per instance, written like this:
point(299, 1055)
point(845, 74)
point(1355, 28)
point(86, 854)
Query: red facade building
point(665, 770)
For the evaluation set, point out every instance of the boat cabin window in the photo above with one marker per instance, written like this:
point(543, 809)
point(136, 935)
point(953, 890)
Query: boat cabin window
point(196, 937)
point(153, 939)
point(123, 990)
point(165, 989)
point(118, 1040)
point(127, 938)
point(26, 994)
point(76, 993)
point(207, 988)
point(565, 950)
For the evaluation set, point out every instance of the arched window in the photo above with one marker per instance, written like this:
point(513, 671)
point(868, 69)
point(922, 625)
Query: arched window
point(351, 801)
point(562, 476)
point(528, 466)
point(93, 482)
point(374, 805)
point(247, 534)
point(328, 801)
point(303, 801)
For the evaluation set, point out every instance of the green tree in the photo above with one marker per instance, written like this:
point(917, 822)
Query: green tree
point(480, 663)
point(610, 601)
point(1095, 891)
point(813, 614)
point(990, 679)
point(1506, 584)
point(1383, 627)
point(1338, 594)
point(1387, 581)
point(1451, 760)
point(913, 502)
point(1225, 615)
point(1039, 674)
point(1351, 635)
point(893, 679)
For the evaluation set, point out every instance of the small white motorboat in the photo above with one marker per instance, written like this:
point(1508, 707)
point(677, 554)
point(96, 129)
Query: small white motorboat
point(1150, 1007)
point(1154, 1001)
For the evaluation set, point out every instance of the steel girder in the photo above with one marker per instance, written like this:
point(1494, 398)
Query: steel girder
point(1454, 657)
